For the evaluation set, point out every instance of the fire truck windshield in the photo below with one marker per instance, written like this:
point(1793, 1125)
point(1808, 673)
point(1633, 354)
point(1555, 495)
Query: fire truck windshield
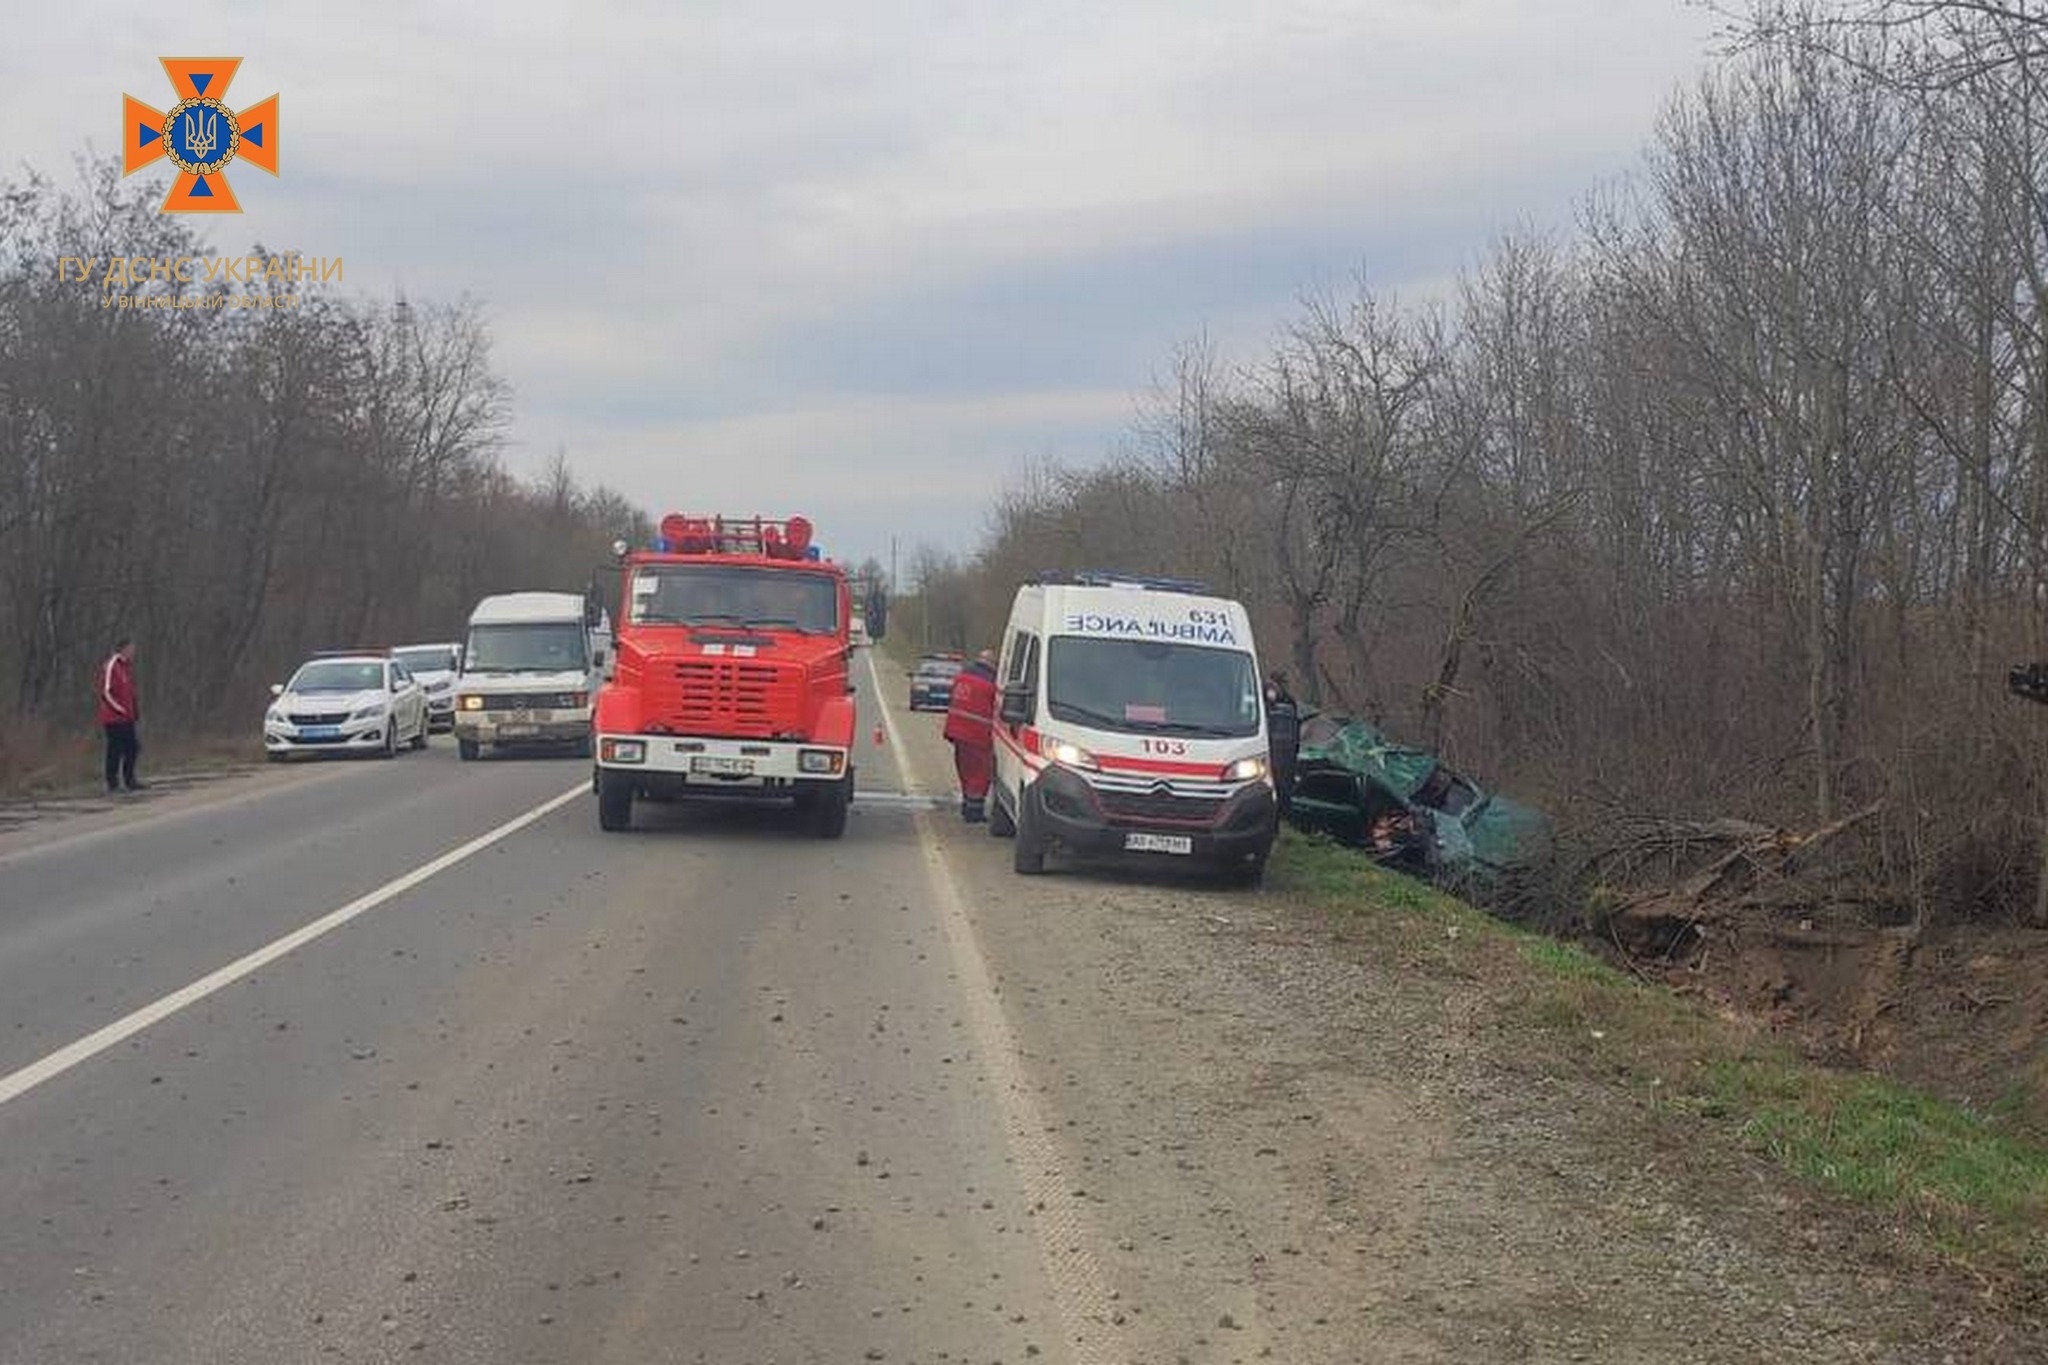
point(706, 594)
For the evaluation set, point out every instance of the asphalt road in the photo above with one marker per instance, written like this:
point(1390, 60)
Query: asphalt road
point(712, 1090)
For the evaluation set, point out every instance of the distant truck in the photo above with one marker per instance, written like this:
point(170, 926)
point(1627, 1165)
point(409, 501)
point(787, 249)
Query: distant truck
point(731, 676)
point(529, 669)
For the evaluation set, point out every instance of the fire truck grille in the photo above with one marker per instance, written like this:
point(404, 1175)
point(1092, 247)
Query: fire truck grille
point(729, 697)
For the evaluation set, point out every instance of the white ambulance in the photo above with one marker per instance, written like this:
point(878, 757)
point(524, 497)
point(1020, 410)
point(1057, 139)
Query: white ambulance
point(1132, 721)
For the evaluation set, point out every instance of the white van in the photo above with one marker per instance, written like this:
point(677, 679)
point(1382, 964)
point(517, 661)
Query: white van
point(529, 672)
point(1132, 720)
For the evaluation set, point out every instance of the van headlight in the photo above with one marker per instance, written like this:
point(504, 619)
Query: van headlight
point(1245, 770)
point(1072, 756)
point(471, 702)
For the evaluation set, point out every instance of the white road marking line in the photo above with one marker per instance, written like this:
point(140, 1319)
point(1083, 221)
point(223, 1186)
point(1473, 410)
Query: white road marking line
point(903, 773)
point(63, 1059)
point(1067, 1237)
point(912, 800)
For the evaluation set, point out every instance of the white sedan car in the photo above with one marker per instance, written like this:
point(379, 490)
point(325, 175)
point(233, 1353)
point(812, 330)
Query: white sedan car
point(346, 703)
point(435, 667)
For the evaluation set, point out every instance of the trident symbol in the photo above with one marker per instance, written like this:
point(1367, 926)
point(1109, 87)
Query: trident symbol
point(200, 133)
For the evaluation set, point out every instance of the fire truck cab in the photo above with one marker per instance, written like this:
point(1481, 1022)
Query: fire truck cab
point(730, 673)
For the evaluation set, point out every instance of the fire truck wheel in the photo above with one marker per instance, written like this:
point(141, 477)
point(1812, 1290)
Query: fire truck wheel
point(614, 801)
point(1028, 854)
point(828, 808)
point(466, 748)
point(1000, 825)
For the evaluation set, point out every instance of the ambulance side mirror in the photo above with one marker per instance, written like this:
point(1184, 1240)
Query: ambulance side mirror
point(1016, 705)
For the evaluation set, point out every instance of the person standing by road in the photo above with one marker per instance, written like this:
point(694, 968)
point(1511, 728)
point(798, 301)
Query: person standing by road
point(1283, 729)
point(119, 712)
point(970, 729)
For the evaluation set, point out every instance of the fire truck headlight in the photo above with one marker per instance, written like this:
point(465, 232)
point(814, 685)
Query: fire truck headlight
point(819, 760)
point(472, 702)
point(624, 751)
point(1245, 770)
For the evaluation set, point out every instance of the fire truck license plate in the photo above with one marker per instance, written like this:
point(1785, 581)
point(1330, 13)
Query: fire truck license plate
point(1159, 843)
point(724, 767)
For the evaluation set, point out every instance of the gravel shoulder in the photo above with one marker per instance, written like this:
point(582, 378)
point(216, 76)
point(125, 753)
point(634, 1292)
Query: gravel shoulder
point(1305, 1138)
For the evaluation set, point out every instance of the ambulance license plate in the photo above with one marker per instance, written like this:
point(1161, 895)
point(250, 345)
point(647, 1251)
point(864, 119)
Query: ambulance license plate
point(1159, 843)
point(720, 766)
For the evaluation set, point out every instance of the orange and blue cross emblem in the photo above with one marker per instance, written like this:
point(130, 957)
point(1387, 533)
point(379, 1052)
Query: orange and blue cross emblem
point(200, 135)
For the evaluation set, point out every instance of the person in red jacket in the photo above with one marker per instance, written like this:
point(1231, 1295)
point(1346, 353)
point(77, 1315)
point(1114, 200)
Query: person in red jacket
point(970, 728)
point(119, 711)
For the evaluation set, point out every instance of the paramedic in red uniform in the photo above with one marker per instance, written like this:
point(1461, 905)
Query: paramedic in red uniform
point(970, 729)
point(118, 713)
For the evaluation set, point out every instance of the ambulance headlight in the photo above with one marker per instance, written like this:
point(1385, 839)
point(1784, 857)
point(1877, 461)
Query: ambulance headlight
point(822, 761)
point(1245, 770)
point(1072, 756)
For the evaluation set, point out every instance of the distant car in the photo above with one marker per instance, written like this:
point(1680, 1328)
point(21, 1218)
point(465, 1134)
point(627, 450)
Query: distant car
point(931, 682)
point(435, 667)
point(346, 703)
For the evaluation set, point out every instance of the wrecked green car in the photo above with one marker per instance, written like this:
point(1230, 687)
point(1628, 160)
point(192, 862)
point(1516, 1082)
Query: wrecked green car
point(1406, 810)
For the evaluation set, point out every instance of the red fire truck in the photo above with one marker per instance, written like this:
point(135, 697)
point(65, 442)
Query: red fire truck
point(730, 677)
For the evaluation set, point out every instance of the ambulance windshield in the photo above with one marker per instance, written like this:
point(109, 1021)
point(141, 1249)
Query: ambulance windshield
point(1152, 687)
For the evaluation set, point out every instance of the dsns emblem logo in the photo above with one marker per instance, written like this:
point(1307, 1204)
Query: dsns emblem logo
point(200, 135)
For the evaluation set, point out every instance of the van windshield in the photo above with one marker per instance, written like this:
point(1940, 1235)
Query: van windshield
point(527, 647)
point(1152, 687)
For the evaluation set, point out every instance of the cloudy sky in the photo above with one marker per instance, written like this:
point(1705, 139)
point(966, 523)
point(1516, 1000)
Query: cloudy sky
point(871, 261)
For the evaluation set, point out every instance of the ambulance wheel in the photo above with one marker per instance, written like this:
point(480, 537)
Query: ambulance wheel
point(1000, 824)
point(1027, 855)
point(828, 808)
point(614, 800)
point(1246, 874)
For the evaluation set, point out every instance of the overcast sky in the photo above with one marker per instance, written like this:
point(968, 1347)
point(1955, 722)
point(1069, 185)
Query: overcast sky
point(870, 261)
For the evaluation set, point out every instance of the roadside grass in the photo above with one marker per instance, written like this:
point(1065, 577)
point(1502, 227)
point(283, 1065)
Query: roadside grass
point(43, 763)
point(1968, 1188)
